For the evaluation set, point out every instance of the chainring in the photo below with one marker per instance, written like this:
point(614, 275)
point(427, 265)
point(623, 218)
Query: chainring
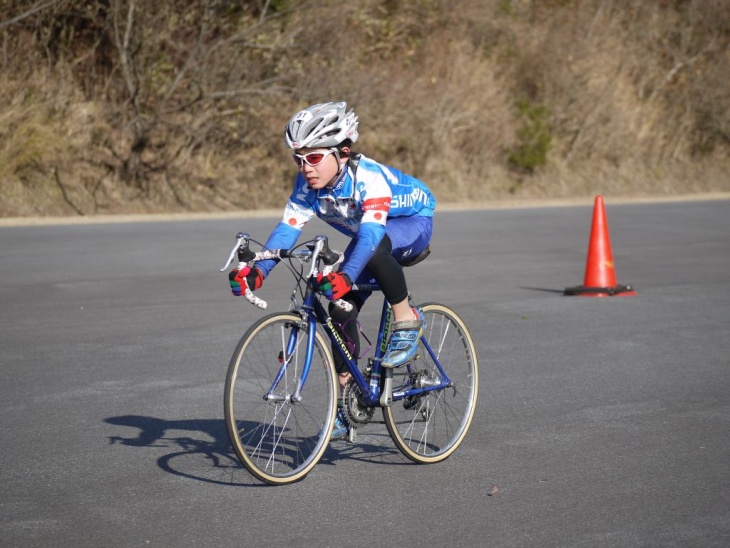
point(357, 413)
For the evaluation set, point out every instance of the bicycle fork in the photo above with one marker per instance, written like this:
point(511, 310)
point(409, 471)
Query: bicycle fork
point(285, 356)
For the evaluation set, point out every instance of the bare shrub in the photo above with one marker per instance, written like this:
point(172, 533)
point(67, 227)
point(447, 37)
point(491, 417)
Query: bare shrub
point(126, 105)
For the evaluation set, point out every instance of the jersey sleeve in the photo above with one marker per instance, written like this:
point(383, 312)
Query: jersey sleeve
point(376, 198)
point(297, 212)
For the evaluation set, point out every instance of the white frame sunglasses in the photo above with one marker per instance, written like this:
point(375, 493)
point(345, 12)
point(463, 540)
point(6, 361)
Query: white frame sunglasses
point(301, 159)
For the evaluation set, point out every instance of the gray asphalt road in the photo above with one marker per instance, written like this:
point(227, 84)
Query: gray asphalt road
point(601, 422)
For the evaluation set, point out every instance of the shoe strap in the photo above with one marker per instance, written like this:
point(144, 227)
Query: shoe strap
point(405, 325)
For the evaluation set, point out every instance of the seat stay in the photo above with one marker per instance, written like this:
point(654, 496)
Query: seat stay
point(446, 381)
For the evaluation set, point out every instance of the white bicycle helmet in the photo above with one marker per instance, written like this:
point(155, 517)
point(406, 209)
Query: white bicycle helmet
point(324, 125)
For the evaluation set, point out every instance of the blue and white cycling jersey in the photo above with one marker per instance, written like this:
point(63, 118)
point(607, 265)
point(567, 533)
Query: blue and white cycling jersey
point(358, 205)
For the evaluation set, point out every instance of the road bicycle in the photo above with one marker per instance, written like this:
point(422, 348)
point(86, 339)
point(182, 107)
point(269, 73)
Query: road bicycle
point(281, 388)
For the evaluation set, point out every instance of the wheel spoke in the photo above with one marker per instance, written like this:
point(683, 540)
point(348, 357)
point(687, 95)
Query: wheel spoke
point(429, 426)
point(276, 436)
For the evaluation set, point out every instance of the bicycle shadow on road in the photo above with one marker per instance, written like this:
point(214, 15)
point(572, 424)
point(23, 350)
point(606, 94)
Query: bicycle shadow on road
point(194, 448)
point(199, 448)
point(372, 445)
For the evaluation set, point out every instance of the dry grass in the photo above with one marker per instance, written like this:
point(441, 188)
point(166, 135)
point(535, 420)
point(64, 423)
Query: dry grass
point(635, 94)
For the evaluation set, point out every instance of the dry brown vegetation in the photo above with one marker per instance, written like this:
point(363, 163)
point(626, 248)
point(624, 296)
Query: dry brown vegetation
point(111, 106)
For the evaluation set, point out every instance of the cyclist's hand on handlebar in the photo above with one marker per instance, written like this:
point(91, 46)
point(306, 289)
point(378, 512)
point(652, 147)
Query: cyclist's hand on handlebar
point(243, 278)
point(334, 285)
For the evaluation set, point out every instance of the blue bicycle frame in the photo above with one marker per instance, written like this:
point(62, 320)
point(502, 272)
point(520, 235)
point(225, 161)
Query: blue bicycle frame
point(370, 390)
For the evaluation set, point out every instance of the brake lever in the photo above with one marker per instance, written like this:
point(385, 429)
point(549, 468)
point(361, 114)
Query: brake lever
point(241, 239)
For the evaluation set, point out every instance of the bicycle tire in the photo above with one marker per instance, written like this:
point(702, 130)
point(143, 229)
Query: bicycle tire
point(279, 442)
point(428, 428)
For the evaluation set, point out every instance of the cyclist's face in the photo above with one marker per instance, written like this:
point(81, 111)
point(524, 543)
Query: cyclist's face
point(323, 170)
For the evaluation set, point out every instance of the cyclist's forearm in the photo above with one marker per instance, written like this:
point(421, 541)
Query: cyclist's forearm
point(368, 239)
point(283, 237)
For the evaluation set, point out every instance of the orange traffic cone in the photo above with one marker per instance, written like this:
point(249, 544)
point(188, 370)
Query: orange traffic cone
point(600, 277)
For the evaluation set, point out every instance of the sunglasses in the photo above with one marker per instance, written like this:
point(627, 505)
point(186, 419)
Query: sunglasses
point(312, 158)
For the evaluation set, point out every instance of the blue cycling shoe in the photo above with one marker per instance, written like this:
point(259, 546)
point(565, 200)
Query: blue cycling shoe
point(341, 428)
point(403, 341)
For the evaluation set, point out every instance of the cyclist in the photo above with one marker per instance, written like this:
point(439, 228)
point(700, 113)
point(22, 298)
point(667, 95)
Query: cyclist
point(388, 215)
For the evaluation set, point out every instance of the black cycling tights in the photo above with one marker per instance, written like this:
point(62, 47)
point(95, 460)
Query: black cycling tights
point(389, 275)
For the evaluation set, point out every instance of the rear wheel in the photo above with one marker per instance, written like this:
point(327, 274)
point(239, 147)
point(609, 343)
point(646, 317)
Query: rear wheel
point(428, 427)
point(279, 429)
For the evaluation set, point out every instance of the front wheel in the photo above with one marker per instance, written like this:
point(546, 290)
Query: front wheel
point(428, 427)
point(279, 420)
